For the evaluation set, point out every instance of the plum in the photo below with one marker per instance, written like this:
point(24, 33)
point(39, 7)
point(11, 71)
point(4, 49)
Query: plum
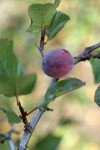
point(57, 63)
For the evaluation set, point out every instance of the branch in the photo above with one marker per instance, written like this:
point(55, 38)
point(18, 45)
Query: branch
point(85, 55)
point(22, 111)
point(88, 57)
point(33, 123)
point(36, 117)
point(7, 137)
point(42, 43)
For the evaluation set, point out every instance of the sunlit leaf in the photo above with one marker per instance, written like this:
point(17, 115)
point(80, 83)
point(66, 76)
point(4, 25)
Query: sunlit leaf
point(96, 69)
point(60, 88)
point(58, 22)
point(97, 96)
point(41, 16)
point(12, 117)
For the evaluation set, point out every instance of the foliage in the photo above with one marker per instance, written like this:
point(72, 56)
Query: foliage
point(60, 88)
point(9, 65)
point(96, 69)
point(57, 23)
point(97, 96)
point(96, 72)
point(13, 81)
point(12, 117)
point(45, 16)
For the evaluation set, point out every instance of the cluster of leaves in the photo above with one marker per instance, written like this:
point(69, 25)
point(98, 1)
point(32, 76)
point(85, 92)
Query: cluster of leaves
point(13, 81)
point(45, 16)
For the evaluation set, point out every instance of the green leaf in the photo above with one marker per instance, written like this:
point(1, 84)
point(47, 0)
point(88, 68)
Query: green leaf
point(12, 80)
point(12, 117)
point(58, 22)
point(60, 88)
point(56, 3)
point(41, 16)
point(17, 85)
point(96, 69)
point(9, 64)
point(97, 96)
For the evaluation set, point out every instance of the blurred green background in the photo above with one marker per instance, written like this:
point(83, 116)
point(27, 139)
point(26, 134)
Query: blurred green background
point(75, 122)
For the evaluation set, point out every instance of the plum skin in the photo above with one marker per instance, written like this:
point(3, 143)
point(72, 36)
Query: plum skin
point(57, 63)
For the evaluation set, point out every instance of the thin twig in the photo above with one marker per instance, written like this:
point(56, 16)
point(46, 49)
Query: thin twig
point(88, 57)
point(40, 49)
point(31, 111)
point(86, 52)
point(22, 111)
point(92, 48)
point(46, 109)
